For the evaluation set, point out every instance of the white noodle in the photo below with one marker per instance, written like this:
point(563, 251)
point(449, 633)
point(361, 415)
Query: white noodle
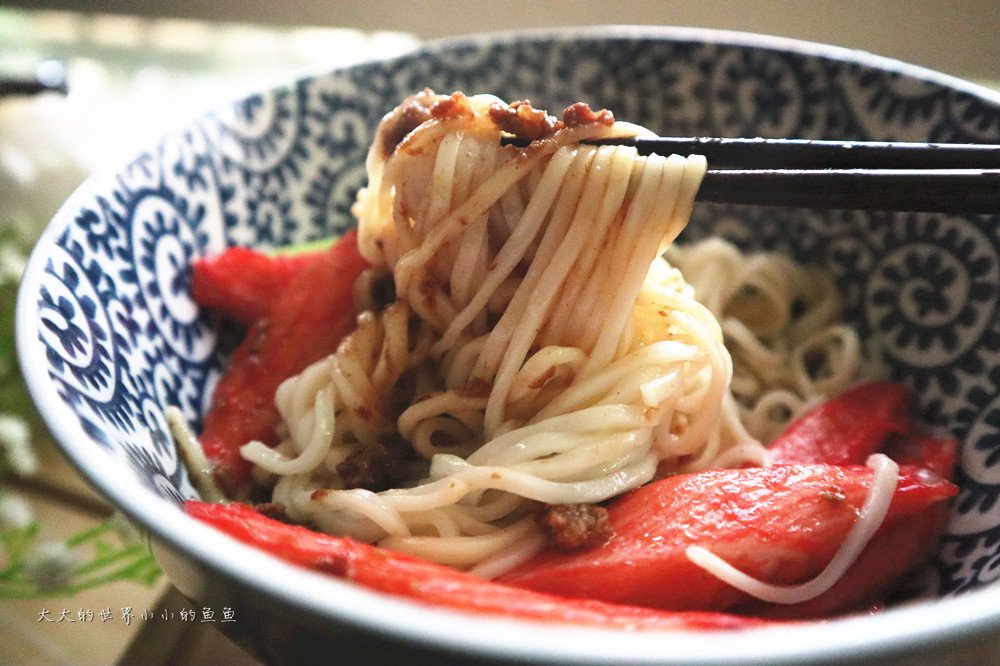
point(873, 512)
point(193, 456)
point(598, 366)
point(781, 324)
point(539, 349)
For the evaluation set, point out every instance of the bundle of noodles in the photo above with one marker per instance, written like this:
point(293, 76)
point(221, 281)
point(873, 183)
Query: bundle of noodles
point(537, 349)
point(782, 324)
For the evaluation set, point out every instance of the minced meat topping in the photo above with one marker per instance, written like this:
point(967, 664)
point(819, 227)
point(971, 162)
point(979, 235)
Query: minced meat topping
point(575, 526)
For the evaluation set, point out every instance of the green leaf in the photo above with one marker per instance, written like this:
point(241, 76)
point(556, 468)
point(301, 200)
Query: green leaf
point(106, 558)
point(302, 248)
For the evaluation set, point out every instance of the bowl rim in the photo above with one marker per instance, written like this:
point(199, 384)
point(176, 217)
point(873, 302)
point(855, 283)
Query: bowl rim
point(906, 628)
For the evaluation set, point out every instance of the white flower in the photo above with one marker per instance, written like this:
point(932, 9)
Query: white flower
point(15, 444)
point(12, 263)
point(15, 512)
point(51, 566)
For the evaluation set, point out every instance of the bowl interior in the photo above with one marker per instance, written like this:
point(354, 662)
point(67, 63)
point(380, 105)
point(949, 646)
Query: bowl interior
point(109, 336)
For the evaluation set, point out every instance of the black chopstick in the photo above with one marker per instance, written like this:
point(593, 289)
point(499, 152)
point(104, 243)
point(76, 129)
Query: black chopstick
point(907, 190)
point(741, 153)
point(855, 175)
point(815, 154)
point(15, 86)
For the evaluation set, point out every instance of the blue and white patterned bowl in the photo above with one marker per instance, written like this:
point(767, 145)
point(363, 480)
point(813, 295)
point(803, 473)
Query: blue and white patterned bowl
point(108, 334)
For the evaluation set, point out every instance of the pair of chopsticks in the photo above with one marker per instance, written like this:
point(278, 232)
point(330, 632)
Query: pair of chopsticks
point(857, 175)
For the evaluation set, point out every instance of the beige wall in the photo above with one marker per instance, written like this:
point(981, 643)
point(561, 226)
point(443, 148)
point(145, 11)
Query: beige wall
point(961, 37)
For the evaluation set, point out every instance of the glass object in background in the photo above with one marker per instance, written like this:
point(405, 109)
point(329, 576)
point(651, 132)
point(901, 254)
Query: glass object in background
point(132, 78)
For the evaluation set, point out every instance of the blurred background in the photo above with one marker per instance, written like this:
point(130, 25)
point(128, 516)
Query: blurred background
point(134, 69)
point(961, 37)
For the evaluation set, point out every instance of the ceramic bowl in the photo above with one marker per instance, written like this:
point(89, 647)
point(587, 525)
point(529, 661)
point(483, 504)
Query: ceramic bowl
point(109, 336)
